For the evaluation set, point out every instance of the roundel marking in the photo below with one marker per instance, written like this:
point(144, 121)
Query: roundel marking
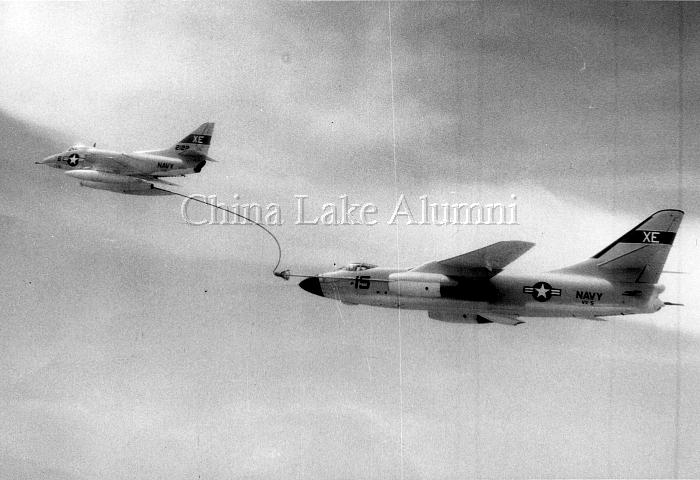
point(542, 291)
point(73, 159)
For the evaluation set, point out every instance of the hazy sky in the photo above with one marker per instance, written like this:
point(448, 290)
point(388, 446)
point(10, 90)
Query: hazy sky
point(134, 345)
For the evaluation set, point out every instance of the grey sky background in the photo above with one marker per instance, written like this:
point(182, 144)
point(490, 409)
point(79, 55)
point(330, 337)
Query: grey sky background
point(134, 345)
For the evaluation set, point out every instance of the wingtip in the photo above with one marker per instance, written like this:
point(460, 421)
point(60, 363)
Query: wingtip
point(668, 210)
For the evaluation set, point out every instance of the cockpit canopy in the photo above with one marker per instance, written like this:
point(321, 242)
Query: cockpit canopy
point(357, 267)
point(77, 146)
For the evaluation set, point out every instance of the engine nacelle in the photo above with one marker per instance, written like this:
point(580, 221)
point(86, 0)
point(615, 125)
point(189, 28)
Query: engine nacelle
point(418, 284)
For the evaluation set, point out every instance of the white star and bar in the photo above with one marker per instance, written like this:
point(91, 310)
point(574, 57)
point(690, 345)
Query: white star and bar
point(542, 291)
point(73, 159)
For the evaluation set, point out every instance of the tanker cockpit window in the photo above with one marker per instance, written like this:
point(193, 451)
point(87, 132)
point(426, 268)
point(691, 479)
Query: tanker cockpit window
point(357, 267)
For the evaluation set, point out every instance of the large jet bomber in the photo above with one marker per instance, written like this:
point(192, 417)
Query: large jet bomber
point(621, 279)
point(135, 172)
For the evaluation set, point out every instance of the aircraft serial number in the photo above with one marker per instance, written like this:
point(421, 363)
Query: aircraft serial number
point(362, 282)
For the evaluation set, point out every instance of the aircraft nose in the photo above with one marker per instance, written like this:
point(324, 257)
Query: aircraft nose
point(312, 285)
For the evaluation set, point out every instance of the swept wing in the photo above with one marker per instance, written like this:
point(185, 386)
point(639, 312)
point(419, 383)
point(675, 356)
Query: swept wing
point(485, 262)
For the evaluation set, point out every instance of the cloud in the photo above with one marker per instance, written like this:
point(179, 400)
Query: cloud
point(496, 92)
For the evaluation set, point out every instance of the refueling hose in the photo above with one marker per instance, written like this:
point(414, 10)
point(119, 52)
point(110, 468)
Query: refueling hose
point(285, 274)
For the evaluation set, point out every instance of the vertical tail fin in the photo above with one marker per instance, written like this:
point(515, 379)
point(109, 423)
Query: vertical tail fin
point(195, 144)
point(639, 255)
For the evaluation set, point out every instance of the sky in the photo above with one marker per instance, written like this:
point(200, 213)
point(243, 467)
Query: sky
point(135, 345)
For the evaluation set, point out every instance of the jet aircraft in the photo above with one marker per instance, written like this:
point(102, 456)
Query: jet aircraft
point(135, 172)
point(621, 279)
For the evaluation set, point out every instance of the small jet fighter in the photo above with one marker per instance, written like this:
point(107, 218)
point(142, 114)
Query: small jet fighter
point(621, 279)
point(135, 172)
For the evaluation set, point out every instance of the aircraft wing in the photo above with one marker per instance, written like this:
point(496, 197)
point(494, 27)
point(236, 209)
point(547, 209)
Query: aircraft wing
point(484, 262)
point(119, 166)
point(130, 170)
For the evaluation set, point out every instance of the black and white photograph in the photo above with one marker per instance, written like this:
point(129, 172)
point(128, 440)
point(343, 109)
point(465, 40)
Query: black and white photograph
point(349, 240)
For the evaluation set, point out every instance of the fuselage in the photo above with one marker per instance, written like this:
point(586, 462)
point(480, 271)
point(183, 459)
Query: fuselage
point(551, 294)
point(108, 161)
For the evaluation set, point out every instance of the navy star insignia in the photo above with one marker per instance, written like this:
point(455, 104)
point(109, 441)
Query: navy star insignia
point(73, 160)
point(542, 291)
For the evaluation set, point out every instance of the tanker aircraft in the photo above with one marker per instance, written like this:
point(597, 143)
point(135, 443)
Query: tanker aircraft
point(135, 172)
point(621, 279)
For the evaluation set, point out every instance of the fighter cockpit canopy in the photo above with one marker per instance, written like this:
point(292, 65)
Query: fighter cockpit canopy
point(357, 267)
point(75, 147)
